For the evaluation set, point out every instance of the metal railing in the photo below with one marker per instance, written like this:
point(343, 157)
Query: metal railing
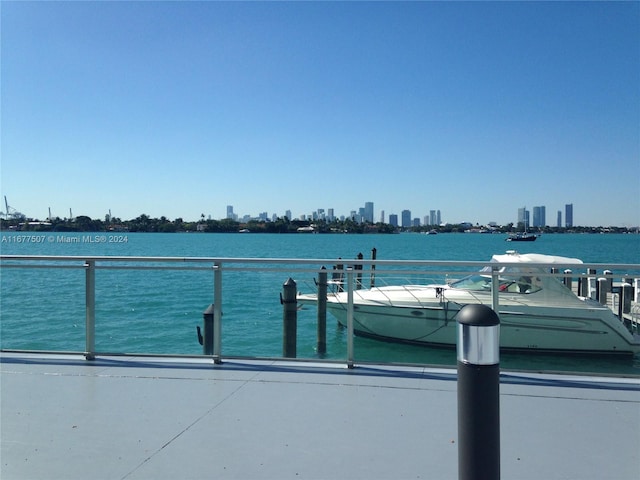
point(307, 267)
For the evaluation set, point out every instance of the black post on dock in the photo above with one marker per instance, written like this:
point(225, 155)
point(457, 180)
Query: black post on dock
point(290, 318)
point(338, 276)
point(206, 340)
point(374, 254)
point(478, 393)
point(626, 294)
point(359, 274)
point(322, 311)
point(568, 281)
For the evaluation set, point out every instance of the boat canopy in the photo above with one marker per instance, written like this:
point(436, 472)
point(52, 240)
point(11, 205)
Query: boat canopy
point(515, 257)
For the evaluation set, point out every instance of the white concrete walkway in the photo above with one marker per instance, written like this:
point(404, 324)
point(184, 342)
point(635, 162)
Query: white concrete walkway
point(169, 418)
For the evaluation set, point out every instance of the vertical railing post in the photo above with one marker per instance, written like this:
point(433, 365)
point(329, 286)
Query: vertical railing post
point(322, 312)
point(350, 317)
point(217, 313)
point(478, 393)
point(90, 302)
point(495, 288)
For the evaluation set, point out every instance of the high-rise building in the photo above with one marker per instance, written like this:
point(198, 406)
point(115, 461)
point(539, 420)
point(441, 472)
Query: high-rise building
point(288, 214)
point(230, 212)
point(382, 216)
point(331, 216)
point(393, 220)
point(568, 215)
point(559, 222)
point(361, 216)
point(539, 216)
point(432, 217)
point(523, 217)
point(406, 218)
point(368, 212)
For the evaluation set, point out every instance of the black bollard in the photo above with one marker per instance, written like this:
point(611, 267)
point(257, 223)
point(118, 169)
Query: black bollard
point(322, 311)
point(206, 340)
point(478, 393)
point(290, 318)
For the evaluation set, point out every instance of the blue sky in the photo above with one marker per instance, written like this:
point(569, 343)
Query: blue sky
point(183, 108)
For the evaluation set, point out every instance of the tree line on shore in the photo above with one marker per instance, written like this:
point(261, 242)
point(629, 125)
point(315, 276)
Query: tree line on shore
point(144, 223)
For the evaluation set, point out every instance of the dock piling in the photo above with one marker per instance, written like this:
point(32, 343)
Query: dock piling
point(374, 254)
point(568, 281)
point(290, 318)
point(626, 293)
point(322, 311)
point(602, 288)
point(206, 340)
point(358, 267)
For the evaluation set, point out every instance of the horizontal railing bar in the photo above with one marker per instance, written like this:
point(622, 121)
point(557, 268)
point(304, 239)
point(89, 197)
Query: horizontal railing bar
point(33, 265)
point(315, 261)
point(148, 267)
point(381, 272)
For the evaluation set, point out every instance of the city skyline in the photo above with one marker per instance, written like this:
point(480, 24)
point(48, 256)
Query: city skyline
point(405, 219)
point(179, 108)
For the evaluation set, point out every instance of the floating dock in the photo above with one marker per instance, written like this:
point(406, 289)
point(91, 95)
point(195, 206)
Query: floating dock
point(120, 417)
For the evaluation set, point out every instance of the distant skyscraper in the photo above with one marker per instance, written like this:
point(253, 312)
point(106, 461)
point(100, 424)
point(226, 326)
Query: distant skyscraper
point(568, 215)
point(539, 214)
point(438, 218)
point(288, 214)
point(559, 222)
point(230, 211)
point(393, 220)
point(368, 212)
point(382, 216)
point(523, 216)
point(406, 218)
point(432, 217)
point(331, 216)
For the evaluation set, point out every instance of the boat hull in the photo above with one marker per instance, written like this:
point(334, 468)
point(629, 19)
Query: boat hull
point(521, 328)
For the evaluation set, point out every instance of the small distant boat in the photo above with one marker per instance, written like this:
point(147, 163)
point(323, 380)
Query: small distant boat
point(244, 230)
point(521, 237)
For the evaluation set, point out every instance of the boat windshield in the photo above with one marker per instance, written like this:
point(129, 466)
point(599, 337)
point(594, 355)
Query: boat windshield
point(523, 276)
point(508, 281)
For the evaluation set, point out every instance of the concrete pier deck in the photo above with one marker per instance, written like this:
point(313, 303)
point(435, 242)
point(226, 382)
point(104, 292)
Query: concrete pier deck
point(182, 418)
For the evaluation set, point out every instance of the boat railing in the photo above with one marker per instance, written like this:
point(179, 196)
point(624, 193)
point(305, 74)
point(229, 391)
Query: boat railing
point(214, 273)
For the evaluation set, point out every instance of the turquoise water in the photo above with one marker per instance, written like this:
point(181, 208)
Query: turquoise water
point(156, 311)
